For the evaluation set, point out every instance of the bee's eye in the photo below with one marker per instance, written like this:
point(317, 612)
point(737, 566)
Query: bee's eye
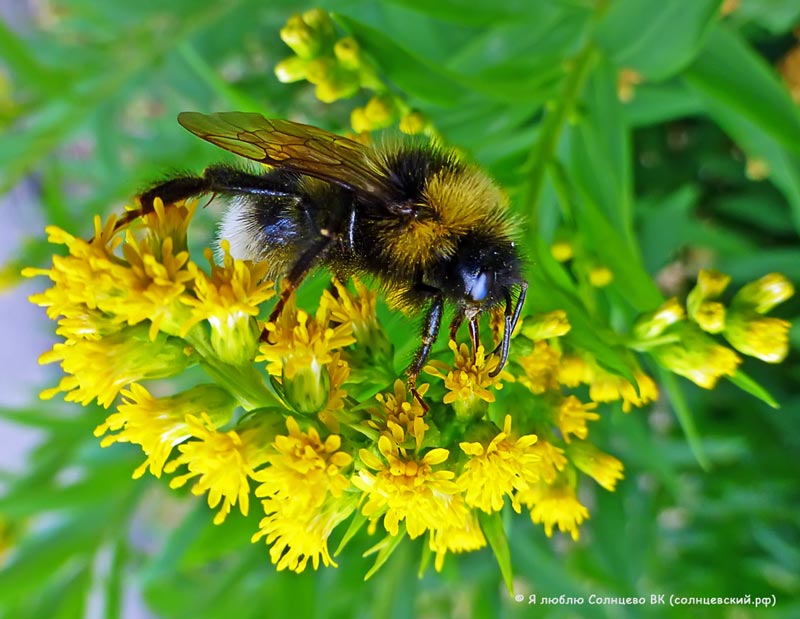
point(480, 287)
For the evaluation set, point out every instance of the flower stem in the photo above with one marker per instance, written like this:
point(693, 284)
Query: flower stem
point(558, 113)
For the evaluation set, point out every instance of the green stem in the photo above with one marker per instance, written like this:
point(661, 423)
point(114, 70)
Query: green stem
point(243, 382)
point(560, 111)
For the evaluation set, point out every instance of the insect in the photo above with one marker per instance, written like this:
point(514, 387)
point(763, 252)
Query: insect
point(431, 228)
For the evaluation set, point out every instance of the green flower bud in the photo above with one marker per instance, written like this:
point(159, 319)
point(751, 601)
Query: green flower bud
point(309, 389)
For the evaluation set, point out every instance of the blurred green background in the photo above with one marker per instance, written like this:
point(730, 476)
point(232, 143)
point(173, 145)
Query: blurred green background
point(701, 166)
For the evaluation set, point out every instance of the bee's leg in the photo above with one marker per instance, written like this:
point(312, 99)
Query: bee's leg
point(510, 325)
point(223, 179)
point(456, 323)
point(430, 331)
point(297, 274)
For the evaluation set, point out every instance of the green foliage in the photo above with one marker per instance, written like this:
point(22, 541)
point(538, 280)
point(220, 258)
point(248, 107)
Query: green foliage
point(654, 186)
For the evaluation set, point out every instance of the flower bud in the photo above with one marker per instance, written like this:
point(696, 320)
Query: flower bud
point(764, 294)
point(653, 324)
point(291, 69)
point(413, 122)
point(696, 356)
point(348, 53)
point(546, 326)
point(301, 38)
point(600, 276)
point(562, 250)
point(758, 336)
point(307, 391)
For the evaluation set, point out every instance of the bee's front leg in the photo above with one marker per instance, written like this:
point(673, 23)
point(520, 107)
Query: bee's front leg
point(430, 331)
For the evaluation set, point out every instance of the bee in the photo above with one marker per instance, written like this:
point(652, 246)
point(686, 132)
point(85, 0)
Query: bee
point(432, 229)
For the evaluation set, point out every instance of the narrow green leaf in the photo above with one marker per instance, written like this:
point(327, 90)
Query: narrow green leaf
point(493, 529)
point(656, 39)
point(384, 548)
point(624, 260)
point(548, 275)
point(684, 415)
point(358, 521)
point(730, 72)
point(748, 384)
point(471, 12)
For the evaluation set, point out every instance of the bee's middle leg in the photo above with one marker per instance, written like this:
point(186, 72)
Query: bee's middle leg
point(297, 274)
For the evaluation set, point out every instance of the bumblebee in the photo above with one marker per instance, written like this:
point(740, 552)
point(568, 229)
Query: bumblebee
point(431, 228)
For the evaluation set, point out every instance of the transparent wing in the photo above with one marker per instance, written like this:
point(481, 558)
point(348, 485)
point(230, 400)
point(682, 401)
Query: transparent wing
point(292, 146)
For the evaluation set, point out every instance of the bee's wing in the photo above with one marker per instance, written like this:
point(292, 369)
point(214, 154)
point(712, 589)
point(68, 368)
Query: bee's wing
point(292, 146)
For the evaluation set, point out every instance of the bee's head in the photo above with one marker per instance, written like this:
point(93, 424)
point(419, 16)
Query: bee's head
point(483, 271)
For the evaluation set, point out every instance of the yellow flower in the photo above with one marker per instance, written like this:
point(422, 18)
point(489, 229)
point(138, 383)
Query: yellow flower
point(401, 412)
point(414, 122)
point(299, 350)
point(298, 342)
point(404, 488)
point(358, 310)
point(303, 469)
point(627, 81)
point(303, 488)
point(467, 382)
point(541, 368)
point(223, 461)
point(154, 286)
point(497, 469)
point(708, 314)
point(607, 387)
point(573, 370)
point(551, 460)
point(606, 470)
point(572, 416)
point(555, 505)
point(456, 540)
point(169, 222)
point(84, 279)
point(99, 368)
point(229, 300)
point(295, 538)
point(158, 424)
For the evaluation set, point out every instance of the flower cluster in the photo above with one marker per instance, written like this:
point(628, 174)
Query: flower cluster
point(681, 339)
point(286, 413)
point(339, 69)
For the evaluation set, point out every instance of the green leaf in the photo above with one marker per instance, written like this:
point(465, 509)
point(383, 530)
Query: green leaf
point(684, 414)
point(748, 384)
point(659, 103)
point(598, 148)
point(558, 292)
point(472, 12)
point(729, 72)
point(358, 521)
point(493, 529)
point(384, 548)
point(630, 277)
point(656, 39)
